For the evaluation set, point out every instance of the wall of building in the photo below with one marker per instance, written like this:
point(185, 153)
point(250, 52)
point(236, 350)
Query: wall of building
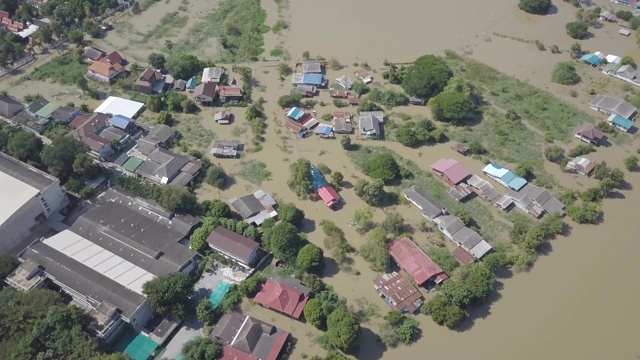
point(16, 228)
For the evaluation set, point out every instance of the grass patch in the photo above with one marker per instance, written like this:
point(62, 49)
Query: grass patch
point(193, 133)
point(253, 171)
point(65, 69)
point(488, 226)
point(164, 28)
point(505, 140)
point(539, 108)
point(238, 24)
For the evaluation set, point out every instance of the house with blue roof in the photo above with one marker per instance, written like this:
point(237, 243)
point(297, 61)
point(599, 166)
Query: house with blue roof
point(122, 122)
point(620, 123)
point(504, 176)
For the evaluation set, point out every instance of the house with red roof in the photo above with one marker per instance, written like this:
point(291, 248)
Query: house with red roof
point(283, 298)
point(451, 171)
point(415, 262)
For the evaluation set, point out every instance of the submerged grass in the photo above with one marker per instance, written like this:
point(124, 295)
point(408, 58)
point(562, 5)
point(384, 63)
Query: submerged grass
point(539, 108)
point(253, 171)
point(488, 226)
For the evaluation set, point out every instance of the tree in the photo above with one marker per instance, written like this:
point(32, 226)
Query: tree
point(631, 163)
point(290, 213)
point(371, 192)
point(443, 312)
point(300, 178)
point(76, 37)
point(363, 219)
point(408, 331)
point(577, 29)
point(525, 171)
point(169, 294)
point(157, 61)
point(451, 107)
point(564, 73)
point(554, 153)
point(382, 166)
point(284, 241)
point(205, 312)
point(310, 258)
point(83, 165)
point(216, 177)
point(60, 156)
point(343, 330)
point(201, 349)
point(444, 259)
point(393, 223)
point(586, 213)
point(8, 263)
point(250, 287)
point(536, 7)
point(336, 179)
point(155, 104)
point(314, 314)
point(407, 136)
point(25, 146)
point(426, 77)
point(345, 142)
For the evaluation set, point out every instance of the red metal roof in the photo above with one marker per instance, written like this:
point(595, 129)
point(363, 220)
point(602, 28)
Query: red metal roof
point(415, 262)
point(329, 195)
point(281, 298)
point(230, 353)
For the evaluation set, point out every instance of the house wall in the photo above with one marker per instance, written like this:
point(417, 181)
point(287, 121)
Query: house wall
point(17, 227)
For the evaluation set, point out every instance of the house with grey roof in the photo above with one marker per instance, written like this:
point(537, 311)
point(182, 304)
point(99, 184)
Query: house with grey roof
point(255, 208)
point(613, 106)
point(370, 122)
point(429, 207)
point(9, 107)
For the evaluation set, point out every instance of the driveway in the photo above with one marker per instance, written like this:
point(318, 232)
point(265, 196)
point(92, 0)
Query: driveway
point(191, 327)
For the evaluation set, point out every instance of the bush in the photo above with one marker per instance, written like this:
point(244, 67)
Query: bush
point(536, 7)
point(565, 74)
point(577, 29)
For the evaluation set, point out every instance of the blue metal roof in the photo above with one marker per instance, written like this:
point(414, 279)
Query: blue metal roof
point(313, 79)
point(120, 121)
point(517, 183)
point(295, 113)
point(622, 122)
point(317, 179)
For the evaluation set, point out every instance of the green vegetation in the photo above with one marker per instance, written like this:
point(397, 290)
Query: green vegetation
point(253, 171)
point(64, 69)
point(169, 294)
point(536, 7)
point(565, 73)
point(577, 29)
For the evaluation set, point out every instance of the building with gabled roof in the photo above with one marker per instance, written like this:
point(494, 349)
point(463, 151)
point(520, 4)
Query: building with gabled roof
point(282, 298)
point(398, 292)
point(415, 262)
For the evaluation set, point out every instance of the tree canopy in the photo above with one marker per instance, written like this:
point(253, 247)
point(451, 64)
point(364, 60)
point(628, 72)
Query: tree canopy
point(310, 258)
point(201, 348)
point(536, 7)
point(426, 77)
point(169, 294)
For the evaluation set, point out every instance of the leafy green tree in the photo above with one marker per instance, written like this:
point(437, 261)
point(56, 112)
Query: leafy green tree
point(565, 73)
point(60, 156)
point(216, 177)
point(451, 107)
point(426, 77)
point(300, 179)
point(25, 146)
point(408, 331)
point(157, 61)
point(393, 223)
point(205, 312)
point(76, 37)
point(343, 330)
point(8, 263)
point(250, 287)
point(290, 213)
point(201, 349)
point(631, 163)
point(314, 314)
point(284, 241)
point(345, 142)
point(444, 259)
point(169, 294)
point(310, 258)
point(336, 180)
point(536, 7)
point(443, 312)
point(382, 166)
point(577, 29)
point(371, 192)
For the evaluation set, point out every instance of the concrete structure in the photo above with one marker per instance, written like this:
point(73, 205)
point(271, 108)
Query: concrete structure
point(398, 292)
point(29, 197)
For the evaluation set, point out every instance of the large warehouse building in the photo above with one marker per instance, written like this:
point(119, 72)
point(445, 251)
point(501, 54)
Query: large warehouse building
point(28, 197)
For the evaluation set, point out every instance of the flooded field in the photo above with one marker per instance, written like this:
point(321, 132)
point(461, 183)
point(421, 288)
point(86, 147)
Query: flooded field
point(579, 300)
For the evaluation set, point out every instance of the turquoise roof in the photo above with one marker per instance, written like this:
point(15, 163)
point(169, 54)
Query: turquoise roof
point(622, 122)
